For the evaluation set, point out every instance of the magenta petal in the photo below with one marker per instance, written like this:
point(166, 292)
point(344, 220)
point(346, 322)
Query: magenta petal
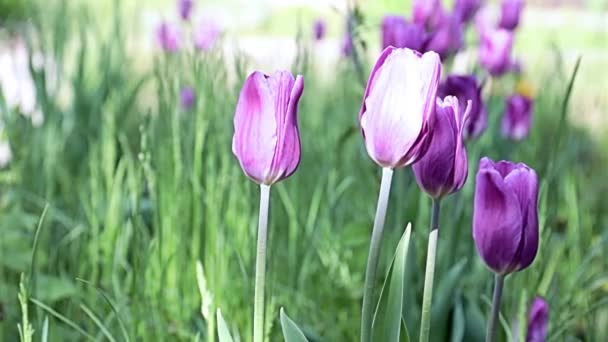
point(538, 321)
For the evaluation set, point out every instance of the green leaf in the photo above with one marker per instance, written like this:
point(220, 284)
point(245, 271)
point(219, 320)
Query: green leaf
point(405, 335)
point(388, 323)
point(291, 332)
point(222, 328)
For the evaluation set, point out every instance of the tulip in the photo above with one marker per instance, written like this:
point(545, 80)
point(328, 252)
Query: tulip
point(447, 37)
point(397, 113)
point(466, 9)
point(347, 45)
point(510, 12)
point(185, 8)
point(517, 117)
point(495, 51)
point(319, 29)
point(538, 321)
point(266, 139)
point(168, 37)
point(206, 34)
point(397, 32)
point(444, 168)
point(427, 12)
point(187, 97)
point(466, 88)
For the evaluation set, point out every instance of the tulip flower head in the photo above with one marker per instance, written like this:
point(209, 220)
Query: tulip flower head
point(266, 139)
point(397, 114)
point(397, 32)
point(443, 169)
point(206, 34)
point(495, 50)
point(447, 37)
point(187, 97)
point(510, 12)
point(517, 117)
point(538, 321)
point(185, 8)
point(427, 12)
point(319, 29)
point(505, 215)
point(168, 37)
point(466, 9)
point(466, 88)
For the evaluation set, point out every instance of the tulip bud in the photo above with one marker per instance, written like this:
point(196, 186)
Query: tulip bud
point(495, 50)
point(397, 112)
point(167, 36)
point(443, 169)
point(397, 32)
point(505, 215)
point(319, 29)
point(185, 8)
point(187, 97)
point(517, 117)
point(466, 9)
point(510, 11)
point(538, 321)
point(447, 37)
point(427, 12)
point(206, 34)
point(266, 139)
point(465, 88)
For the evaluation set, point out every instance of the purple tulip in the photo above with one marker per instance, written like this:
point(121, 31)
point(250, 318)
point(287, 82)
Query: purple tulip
point(397, 32)
point(447, 38)
point(427, 12)
point(517, 117)
point(538, 321)
point(443, 169)
point(187, 97)
point(266, 139)
point(168, 37)
point(206, 34)
point(495, 51)
point(466, 9)
point(505, 215)
point(319, 29)
point(466, 88)
point(185, 8)
point(347, 45)
point(510, 12)
point(397, 114)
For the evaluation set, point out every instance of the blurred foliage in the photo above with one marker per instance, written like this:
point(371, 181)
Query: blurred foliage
point(14, 10)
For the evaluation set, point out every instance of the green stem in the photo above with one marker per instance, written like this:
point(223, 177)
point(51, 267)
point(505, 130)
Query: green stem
point(374, 252)
point(260, 265)
point(499, 281)
point(425, 320)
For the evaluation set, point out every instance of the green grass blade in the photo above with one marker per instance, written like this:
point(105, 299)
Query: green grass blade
point(62, 318)
point(222, 328)
point(104, 330)
point(291, 332)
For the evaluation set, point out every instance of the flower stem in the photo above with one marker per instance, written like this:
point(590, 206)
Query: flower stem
point(367, 311)
point(425, 320)
point(499, 281)
point(260, 265)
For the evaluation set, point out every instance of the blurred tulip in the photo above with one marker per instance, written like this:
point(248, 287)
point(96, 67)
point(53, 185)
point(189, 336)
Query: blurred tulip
point(466, 9)
point(443, 169)
point(505, 215)
point(266, 139)
point(347, 45)
point(465, 88)
point(495, 51)
point(538, 321)
point(397, 113)
point(319, 29)
point(427, 12)
point(447, 38)
point(187, 97)
point(517, 117)
point(185, 8)
point(397, 32)
point(510, 12)
point(168, 37)
point(206, 34)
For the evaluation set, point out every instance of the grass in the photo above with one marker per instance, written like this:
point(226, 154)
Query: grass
point(109, 206)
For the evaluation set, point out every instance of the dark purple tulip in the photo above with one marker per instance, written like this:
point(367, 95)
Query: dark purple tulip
point(466, 9)
point(538, 321)
point(397, 32)
point(510, 11)
point(167, 36)
point(466, 88)
point(187, 97)
point(505, 215)
point(443, 169)
point(495, 50)
point(447, 37)
point(517, 117)
point(185, 8)
point(319, 29)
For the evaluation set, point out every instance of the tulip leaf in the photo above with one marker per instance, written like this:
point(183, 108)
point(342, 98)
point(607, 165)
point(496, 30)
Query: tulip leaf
point(458, 321)
point(388, 324)
point(222, 328)
point(291, 332)
point(443, 300)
